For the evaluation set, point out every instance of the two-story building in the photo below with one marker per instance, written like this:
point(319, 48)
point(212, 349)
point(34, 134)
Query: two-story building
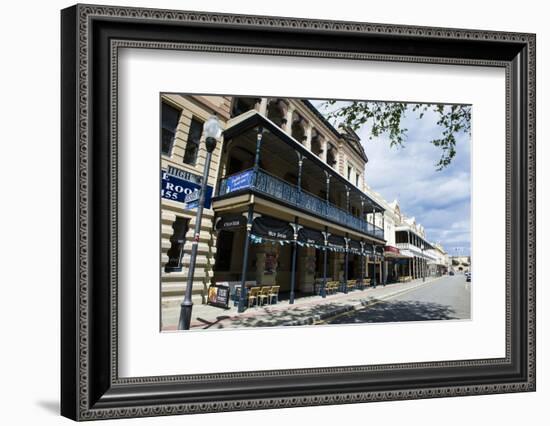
point(287, 204)
point(411, 240)
point(440, 264)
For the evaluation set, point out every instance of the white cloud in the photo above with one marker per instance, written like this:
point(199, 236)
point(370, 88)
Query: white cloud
point(440, 200)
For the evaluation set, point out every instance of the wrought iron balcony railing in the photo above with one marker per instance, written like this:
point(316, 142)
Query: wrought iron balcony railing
point(265, 183)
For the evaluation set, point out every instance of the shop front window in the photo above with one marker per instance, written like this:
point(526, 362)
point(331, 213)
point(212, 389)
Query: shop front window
point(177, 242)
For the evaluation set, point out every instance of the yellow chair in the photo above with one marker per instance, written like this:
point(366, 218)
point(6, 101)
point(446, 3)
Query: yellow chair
point(333, 286)
point(274, 293)
point(263, 295)
point(253, 295)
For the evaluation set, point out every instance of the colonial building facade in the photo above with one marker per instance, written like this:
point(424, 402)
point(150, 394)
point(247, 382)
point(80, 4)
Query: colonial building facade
point(440, 263)
point(286, 201)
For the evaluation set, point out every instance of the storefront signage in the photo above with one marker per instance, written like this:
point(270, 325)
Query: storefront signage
point(271, 228)
point(177, 189)
point(218, 295)
point(311, 236)
point(231, 223)
point(391, 249)
point(239, 181)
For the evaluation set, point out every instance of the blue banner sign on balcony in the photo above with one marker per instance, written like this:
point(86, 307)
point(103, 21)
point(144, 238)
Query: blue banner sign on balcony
point(239, 181)
point(176, 189)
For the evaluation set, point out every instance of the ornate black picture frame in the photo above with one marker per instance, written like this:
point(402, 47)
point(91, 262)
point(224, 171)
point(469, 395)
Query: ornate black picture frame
point(91, 36)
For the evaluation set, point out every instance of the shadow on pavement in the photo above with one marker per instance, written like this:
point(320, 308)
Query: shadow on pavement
point(269, 318)
point(379, 311)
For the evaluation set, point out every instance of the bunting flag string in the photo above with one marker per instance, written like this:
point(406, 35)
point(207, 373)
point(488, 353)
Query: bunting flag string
point(257, 239)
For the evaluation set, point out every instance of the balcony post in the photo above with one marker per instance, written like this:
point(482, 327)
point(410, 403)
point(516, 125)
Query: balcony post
point(245, 256)
point(373, 221)
point(362, 261)
point(347, 199)
point(362, 214)
point(295, 228)
point(346, 239)
point(325, 249)
point(300, 163)
point(258, 148)
point(327, 182)
point(374, 265)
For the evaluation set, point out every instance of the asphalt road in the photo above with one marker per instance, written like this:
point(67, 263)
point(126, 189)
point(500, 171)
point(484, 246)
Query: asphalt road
point(443, 299)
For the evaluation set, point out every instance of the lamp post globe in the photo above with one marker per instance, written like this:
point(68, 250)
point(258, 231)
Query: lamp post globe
point(212, 131)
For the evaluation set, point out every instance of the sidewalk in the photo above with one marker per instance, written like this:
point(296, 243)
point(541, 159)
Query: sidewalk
point(305, 310)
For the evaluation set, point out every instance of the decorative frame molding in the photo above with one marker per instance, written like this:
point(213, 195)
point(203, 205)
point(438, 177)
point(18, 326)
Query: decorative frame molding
point(91, 37)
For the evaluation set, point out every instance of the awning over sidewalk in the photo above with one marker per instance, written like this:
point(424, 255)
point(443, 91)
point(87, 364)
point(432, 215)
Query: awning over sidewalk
point(391, 252)
point(270, 229)
point(231, 222)
point(311, 238)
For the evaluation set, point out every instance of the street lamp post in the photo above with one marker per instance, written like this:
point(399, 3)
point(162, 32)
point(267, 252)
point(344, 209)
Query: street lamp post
point(212, 132)
point(423, 266)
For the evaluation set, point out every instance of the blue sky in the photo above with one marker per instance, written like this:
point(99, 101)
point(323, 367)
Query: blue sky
point(439, 200)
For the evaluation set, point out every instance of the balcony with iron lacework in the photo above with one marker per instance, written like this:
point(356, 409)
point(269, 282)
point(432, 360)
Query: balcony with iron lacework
point(260, 158)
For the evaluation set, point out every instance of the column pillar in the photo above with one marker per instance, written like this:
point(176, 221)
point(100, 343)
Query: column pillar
point(324, 284)
point(295, 228)
point(258, 149)
point(325, 150)
point(289, 119)
point(384, 271)
point(374, 266)
point(263, 106)
point(346, 264)
point(300, 163)
point(362, 260)
point(309, 131)
point(327, 183)
point(245, 256)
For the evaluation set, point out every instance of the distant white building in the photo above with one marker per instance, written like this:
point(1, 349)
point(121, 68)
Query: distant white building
point(407, 253)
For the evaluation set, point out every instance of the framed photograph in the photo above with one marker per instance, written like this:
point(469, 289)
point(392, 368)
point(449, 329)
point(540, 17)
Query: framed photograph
point(263, 212)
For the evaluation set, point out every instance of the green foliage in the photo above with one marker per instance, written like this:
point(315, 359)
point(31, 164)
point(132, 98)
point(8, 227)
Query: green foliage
point(386, 118)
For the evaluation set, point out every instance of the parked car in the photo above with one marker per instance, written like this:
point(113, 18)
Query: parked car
point(468, 276)
point(451, 273)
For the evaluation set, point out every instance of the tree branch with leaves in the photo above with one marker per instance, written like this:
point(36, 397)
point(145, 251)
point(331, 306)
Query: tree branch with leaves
point(387, 118)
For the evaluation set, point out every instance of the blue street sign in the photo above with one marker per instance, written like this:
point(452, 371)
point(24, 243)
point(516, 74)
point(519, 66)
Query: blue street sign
point(239, 181)
point(176, 189)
